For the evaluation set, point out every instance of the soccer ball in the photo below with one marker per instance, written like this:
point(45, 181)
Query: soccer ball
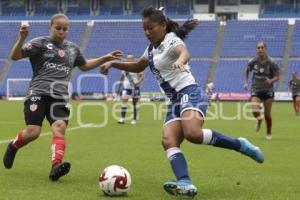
point(114, 181)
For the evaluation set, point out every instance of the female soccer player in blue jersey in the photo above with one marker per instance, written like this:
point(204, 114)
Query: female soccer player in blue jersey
point(167, 58)
point(52, 59)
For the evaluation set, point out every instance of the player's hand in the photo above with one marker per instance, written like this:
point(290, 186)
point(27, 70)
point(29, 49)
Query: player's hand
point(23, 32)
point(181, 66)
point(114, 55)
point(269, 81)
point(245, 86)
point(105, 67)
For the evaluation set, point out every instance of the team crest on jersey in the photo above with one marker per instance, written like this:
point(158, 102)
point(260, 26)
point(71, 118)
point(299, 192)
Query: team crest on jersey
point(33, 107)
point(261, 70)
point(61, 53)
point(255, 67)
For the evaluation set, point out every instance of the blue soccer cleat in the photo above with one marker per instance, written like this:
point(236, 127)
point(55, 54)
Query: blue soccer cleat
point(182, 187)
point(250, 150)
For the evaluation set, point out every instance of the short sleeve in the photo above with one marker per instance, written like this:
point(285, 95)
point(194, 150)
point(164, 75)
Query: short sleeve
point(79, 60)
point(250, 65)
point(145, 54)
point(174, 41)
point(276, 69)
point(32, 48)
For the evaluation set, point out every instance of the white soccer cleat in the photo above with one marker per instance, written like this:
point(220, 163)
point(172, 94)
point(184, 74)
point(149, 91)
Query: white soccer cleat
point(269, 137)
point(121, 121)
point(133, 122)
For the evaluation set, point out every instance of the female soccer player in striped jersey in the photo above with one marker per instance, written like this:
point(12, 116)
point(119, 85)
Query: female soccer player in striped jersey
point(167, 57)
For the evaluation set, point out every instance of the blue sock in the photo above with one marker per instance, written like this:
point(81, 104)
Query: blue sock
point(123, 111)
point(219, 140)
point(178, 163)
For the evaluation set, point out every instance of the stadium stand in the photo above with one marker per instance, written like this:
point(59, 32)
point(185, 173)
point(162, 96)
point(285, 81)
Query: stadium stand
point(295, 51)
point(20, 69)
point(203, 46)
point(229, 75)
point(8, 34)
point(241, 37)
point(108, 36)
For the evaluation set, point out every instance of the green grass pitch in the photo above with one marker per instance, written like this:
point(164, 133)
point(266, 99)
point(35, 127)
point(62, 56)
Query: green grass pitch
point(219, 174)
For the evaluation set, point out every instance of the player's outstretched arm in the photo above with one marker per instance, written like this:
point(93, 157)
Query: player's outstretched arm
point(136, 67)
point(93, 63)
point(183, 58)
point(16, 52)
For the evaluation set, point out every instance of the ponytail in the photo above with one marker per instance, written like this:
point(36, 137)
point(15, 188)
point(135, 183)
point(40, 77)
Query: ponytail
point(157, 15)
point(183, 30)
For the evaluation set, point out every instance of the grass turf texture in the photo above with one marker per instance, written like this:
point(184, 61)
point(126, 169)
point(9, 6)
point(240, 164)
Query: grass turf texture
point(219, 174)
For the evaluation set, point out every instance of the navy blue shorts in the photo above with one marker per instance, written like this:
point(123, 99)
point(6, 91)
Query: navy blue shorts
point(189, 98)
point(132, 92)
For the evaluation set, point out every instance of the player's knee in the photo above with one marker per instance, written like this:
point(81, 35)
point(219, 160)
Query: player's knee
point(268, 116)
point(193, 134)
point(32, 133)
point(59, 127)
point(168, 143)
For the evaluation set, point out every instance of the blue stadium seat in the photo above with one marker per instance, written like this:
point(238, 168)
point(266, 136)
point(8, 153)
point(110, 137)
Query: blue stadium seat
point(104, 10)
point(241, 37)
point(200, 46)
point(116, 10)
point(72, 11)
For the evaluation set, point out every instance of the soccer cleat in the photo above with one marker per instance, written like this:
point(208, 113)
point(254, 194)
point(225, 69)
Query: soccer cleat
point(250, 150)
point(59, 170)
point(121, 121)
point(269, 136)
point(9, 156)
point(258, 125)
point(182, 187)
point(133, 122)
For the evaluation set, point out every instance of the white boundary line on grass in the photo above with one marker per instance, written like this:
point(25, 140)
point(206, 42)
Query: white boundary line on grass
point(50, 133)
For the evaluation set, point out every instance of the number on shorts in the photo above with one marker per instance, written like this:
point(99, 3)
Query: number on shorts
point(184, 99)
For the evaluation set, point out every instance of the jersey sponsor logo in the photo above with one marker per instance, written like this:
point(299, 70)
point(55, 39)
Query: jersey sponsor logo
point(173, 42)
point(33, 107)
point(58, 67)
point(49, 46)
point(49, 54)
point(61, 53)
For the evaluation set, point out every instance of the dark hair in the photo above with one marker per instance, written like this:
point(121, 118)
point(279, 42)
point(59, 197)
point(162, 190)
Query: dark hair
point(263, 43)
point(56, 16)
point(182, 31)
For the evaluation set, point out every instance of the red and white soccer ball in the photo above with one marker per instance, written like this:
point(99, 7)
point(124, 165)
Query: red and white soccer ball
point(115, 181)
